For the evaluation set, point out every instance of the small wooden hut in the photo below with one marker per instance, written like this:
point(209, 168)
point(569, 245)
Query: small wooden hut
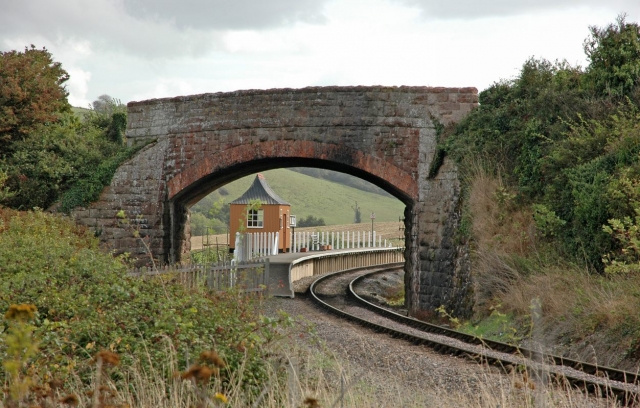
point(272, 216)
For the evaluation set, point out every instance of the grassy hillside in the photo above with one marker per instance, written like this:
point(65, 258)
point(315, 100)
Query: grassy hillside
point(311, 196)
point(79, 111)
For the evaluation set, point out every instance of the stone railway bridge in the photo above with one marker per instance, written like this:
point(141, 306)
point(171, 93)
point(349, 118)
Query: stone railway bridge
point(385, 135)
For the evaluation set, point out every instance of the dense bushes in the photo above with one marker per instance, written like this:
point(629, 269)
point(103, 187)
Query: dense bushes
point(47, 153)
point(32, 93)
point(86, 302)
point(311, 221)
point(565, 139)
point(69, 159)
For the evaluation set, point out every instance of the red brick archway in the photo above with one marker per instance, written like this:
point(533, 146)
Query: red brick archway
point(203, 176)
point(397, 181)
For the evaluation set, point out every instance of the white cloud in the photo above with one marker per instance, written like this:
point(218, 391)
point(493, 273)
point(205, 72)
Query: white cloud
point(144, 49)
point(78, 87)
point(105, 25)
point(473, 9)
point(225, 14)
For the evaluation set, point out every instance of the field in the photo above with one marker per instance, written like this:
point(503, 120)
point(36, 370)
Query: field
point(79, 111)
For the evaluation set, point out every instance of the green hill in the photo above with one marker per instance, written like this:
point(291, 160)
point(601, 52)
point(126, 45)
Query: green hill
point(312, 196)
point(79, 111)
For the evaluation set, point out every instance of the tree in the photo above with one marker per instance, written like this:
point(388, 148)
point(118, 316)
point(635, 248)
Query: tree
point(357, 219)
point(106, 104)
point(614, 57)
point(32, 93)
point(109, 114)
point(219, 210)
point(311, 221)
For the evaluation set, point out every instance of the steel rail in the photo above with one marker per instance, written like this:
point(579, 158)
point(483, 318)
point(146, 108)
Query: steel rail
point(588, 368)
point(601, 375)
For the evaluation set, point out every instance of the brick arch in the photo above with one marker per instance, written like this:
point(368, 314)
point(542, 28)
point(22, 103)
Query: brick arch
point(281, 153)
point(203, 176)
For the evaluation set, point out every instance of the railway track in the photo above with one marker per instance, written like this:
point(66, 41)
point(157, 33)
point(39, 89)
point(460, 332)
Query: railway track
point(335, 292)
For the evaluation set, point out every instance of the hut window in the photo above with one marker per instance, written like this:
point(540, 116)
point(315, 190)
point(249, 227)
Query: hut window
point(255, 219)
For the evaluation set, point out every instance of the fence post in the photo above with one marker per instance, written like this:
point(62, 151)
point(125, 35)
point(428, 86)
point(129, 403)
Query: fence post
point(276, 243)
point(272, 242)
point(265, 276)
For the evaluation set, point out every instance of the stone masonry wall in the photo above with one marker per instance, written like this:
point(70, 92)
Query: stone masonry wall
point(385, 135)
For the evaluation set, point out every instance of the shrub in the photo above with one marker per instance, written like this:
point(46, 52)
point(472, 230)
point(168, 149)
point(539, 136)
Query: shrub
point(68, 160)
point(561, 149)
point(87, 302)
point(311, 221)
point(614, 57)
point(627, 232)
point(32, 92)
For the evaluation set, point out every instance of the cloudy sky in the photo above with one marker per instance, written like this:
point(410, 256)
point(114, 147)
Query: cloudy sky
point(141, 49)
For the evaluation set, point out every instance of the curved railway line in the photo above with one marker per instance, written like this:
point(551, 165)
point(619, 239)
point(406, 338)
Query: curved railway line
point(335, 292)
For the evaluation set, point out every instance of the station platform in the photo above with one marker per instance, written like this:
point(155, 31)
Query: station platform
point(280, 282)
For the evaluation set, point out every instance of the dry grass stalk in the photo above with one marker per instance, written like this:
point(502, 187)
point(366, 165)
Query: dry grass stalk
point(499, 232)
point(316, 383)
point(575, 305)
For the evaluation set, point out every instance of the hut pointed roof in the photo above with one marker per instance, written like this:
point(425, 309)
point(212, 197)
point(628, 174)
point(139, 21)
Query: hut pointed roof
point(260, 190)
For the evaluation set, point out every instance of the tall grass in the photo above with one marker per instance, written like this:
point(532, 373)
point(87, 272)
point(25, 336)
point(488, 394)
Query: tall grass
point(304, 377)
point(581, 314)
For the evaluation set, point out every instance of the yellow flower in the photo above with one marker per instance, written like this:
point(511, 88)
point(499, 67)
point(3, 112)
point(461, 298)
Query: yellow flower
point(220, 397)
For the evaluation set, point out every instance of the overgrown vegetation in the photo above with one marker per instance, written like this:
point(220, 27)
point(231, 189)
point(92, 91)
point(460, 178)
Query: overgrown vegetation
point(552, 161)
point(47, 153)
point(564, 141)
point(85, 302)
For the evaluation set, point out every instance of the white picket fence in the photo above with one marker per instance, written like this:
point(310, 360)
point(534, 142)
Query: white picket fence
point(315, 241)
point(260, 244)
point(256, 245)
point(250, 276)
